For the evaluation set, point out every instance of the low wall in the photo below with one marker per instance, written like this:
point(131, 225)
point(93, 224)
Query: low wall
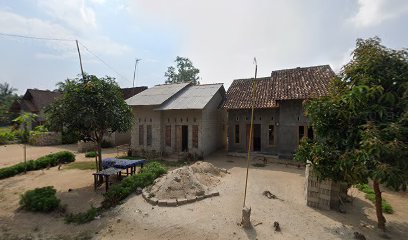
point(325, 194)
point(86, 146)
point(45, 138)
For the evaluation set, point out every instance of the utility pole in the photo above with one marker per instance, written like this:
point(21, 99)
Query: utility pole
point(246, 212)
point(80, 60)
point(134, 72)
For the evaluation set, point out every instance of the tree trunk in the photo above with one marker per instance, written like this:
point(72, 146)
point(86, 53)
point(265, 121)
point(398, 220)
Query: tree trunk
point(99, 157)
point(378, 205)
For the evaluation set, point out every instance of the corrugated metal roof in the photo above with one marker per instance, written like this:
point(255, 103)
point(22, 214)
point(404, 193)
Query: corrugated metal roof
point(194, 97)
point(156, 95)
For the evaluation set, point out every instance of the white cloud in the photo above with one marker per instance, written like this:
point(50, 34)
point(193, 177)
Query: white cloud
point(374, 12)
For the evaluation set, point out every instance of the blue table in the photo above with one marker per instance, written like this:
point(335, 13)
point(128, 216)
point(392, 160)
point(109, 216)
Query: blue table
point(123, 164)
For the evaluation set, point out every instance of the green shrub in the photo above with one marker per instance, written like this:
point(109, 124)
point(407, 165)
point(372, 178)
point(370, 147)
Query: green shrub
point(49, 160)
point(90, 154)
point(81, 218)
point(106, 144)
point(370, 195)
point(40, 128)
point(6, 136)
point(40, 200)
point(144, 178)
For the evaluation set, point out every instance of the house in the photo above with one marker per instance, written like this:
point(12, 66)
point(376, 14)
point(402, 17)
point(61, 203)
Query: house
point(279, 119)
point(176, 118)
point(35, 101)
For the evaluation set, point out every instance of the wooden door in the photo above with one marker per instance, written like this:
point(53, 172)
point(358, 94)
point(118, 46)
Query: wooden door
point(178, 138)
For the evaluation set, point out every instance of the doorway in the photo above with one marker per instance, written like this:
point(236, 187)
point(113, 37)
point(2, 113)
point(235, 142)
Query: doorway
point(256, 137)
point(184, 138)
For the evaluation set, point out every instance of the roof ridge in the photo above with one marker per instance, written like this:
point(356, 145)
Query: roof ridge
point(298, 68)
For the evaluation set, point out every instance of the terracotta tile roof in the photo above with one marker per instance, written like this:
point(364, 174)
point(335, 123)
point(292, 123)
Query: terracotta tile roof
point(287, 84)
point(130, 92)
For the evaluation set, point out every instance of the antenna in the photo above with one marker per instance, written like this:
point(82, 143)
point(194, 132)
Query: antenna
point(134, 72)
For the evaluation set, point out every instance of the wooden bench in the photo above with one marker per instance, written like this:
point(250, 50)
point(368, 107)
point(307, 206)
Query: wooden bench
point(106, 173)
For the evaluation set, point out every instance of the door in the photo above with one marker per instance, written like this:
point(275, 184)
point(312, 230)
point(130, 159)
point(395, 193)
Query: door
point(184, 138)
point(256, 137)
point(178, 138)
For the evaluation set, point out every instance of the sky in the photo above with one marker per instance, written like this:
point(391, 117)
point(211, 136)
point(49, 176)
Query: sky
point(220, 37)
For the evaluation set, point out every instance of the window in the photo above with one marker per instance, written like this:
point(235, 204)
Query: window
point(149, 135)
point(141, 134)
point(301, 132)
point(271, 135)
point(310, 133)
point(167, 136)
point(195, 136)
point(236, 133)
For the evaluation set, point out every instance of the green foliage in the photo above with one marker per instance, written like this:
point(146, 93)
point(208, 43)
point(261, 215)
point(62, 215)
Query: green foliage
point(41, 128)
point(69, 137)
point(81, 218)
point(186, 72)
point(24, 120)
point(6, 135)
point(7, 97)
point(106, 144)
point(40, 200)
point(41, 163)
point(90, 154)
point(89, 165)
point(361, 127)
point(98, 105)
point(370, 195)
point(144, 178)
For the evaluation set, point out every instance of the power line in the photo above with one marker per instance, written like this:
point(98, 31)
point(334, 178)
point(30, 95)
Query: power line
point(102, 61)
point(66, 40)
point(37, 38)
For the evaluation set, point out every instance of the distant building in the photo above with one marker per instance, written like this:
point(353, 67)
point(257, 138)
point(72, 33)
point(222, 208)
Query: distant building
point(279, 120)
point(35, 101)
point(176, 118)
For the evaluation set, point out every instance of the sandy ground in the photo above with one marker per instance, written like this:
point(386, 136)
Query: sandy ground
point(213, 218)
point(14, 153)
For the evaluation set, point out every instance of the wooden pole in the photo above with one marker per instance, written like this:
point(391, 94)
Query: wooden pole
point(250, 130)
point(25, 158)
point(80, 60)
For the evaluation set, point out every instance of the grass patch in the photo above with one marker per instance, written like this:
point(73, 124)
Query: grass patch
point(169, 164)
point(81, 218)
point(370, 195)
point(258, 164)
point(90, 154)
point(81, 165)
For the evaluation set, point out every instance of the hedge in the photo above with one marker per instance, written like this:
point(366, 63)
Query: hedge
point(144, 178)
point(49, 160)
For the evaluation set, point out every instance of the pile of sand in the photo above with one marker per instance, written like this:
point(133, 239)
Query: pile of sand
point(187, 182)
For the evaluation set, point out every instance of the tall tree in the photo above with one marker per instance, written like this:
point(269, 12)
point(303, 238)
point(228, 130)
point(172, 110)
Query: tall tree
point(185, 72)
point(362, 126)
point(7, 96)
point(90, 107)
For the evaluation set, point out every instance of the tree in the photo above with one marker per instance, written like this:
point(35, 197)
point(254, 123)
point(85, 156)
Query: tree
point(25, 119)
point(7, 96)
point(361, 128)
point(186, 72)
point(90, 107)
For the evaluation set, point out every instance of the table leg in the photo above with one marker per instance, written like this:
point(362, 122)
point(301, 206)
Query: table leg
point(120, 175)
point(107, 182)
point(127, 171)
point(95, 182)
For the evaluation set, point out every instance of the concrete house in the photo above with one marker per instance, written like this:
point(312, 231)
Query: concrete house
point(176, 118)
point(279, 119)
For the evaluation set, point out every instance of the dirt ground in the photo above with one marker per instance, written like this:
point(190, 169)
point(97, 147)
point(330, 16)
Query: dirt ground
point(14, 153)
point(213, 218)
